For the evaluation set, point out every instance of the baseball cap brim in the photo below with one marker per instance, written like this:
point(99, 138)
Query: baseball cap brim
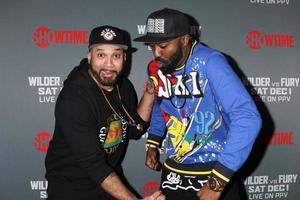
point(153, 39)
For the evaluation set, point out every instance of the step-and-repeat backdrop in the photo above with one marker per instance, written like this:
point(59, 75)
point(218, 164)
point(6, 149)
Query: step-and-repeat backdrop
point(41, 41)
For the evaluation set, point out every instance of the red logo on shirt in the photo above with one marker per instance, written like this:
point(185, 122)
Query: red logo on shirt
point(149, 188)
point(41, 141)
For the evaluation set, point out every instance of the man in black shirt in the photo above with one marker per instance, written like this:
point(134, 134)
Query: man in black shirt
point(96, 114)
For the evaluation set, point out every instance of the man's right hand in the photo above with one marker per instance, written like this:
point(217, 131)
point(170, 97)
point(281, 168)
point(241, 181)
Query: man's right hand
point(152, 159)
point(155, 196)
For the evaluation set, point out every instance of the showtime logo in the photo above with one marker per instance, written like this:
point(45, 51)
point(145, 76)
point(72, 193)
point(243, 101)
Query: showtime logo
point(149, 188)
point(282, 138)
point(43, 37)
point(41, 141)
point(256, 40)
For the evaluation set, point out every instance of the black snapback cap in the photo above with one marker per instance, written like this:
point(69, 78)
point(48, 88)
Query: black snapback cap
point(165, 24)
point(108, 35)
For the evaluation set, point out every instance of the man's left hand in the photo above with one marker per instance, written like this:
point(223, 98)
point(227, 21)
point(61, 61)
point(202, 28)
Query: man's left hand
point(152, 159)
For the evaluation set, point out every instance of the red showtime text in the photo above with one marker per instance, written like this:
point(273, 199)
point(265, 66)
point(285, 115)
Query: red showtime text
point(282, 138)
point(43, 37)
point(256, 40)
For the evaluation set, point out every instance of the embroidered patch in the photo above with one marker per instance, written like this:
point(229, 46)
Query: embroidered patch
point(108, 34)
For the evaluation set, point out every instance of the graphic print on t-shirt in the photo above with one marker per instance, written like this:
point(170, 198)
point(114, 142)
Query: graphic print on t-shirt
point(113, 133)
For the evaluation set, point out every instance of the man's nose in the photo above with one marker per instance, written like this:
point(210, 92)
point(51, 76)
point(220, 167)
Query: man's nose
point(157, 51)
point(109, 61)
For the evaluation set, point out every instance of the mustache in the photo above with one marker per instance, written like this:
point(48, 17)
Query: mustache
point(166, 65)
point(108, 70)
point(164, 62)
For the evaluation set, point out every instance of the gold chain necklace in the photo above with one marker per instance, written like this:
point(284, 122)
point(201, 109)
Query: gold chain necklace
point(131, 122)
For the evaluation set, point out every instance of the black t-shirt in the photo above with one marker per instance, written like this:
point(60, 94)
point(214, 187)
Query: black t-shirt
point(90, 139)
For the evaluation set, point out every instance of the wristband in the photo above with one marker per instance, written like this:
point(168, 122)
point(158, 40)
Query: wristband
point(150, 145)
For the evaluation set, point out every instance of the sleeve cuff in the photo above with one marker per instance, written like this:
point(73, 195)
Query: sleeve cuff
point(155, 140)
point(222, 172)
point(137, 134)
point(145, 124)
point(100, 175)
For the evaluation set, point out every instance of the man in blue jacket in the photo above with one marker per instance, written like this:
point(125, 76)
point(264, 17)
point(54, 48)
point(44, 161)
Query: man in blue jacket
point(209, 118)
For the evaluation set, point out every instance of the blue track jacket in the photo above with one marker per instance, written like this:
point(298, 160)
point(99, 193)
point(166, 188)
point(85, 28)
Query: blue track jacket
point(205, 113)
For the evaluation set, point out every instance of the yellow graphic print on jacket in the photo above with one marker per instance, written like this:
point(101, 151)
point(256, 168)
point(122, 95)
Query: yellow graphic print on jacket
point(176, 131)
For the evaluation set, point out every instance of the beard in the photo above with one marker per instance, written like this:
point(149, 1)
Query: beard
point(105, 81)
point(168, 66)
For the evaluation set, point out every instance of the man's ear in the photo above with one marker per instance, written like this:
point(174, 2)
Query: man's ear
point(125, 55)
point(88, 56)
point(185, 39)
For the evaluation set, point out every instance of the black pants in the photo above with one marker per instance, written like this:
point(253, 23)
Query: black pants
point(178, 186)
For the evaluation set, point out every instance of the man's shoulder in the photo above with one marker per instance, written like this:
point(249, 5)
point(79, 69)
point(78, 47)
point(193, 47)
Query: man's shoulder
point(202, 50)
point(124, 82)
point(75, 93)
point(74, 89)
